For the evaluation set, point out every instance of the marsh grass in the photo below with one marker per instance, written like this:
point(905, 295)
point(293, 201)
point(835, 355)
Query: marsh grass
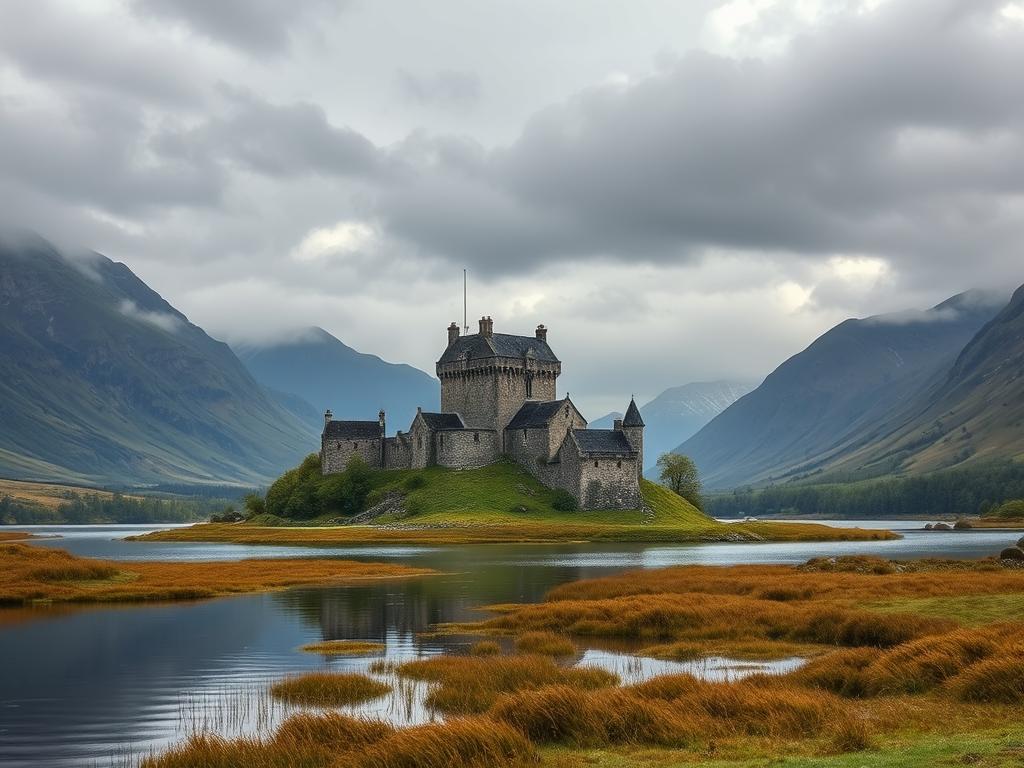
point(329, 689)
point(545, 644)
point(485, 648)
point(344, 648)
point(471, 684)
point(29, 574)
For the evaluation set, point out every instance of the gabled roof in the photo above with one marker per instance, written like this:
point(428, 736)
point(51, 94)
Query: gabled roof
point(602, 442)
point(442, 420)
point(352, 430)
point(535, 413)
point(632, 417)
point(477, 347)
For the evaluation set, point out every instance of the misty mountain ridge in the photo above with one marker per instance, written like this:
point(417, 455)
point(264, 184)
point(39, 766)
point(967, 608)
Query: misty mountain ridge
point(846, 390)
point(678, 412)
point(312, 367)
point(102, 381)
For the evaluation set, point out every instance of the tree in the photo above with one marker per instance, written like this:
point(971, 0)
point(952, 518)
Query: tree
point(680, 474)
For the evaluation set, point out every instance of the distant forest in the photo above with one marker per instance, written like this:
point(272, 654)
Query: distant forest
point(96, 508)
point(970, 491)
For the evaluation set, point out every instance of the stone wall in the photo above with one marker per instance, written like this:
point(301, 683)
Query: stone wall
point(609, 483)
point(335, 454)
point(466, 447)
point(421, 445)
point(398, 452)
point(488, 396)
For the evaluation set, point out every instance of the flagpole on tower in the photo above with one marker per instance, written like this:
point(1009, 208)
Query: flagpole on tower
point(465, 314)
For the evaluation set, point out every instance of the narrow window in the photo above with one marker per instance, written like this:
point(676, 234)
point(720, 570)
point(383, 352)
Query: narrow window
point(595, 463)
point(524, 435)
point(529, 385)
point(419, 442)
point(356, 446)
point(476, 437)
point(618, 464)
point(337, 446)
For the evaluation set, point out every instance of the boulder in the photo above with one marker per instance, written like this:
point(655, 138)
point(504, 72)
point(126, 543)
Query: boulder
point(928, 526)
point(1012, 553)
point(962, 525)
point(1020, 542)
point(942, 527)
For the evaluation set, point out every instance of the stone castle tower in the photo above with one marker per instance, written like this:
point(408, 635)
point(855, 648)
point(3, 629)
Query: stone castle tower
point(499, 399)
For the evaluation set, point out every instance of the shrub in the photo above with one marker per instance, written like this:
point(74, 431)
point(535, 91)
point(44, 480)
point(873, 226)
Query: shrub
point(564, 501)
point(414, 483)
point(1012, 553)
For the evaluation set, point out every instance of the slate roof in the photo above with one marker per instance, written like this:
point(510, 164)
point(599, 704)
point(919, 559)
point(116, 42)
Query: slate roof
point(632, 417)
point(352, 430)
point(477, 347)
point(535, 413)
point(602, 441)
point(443, 420)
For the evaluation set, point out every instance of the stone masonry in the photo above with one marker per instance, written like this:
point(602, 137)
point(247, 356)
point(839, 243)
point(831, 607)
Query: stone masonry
point(499, 398)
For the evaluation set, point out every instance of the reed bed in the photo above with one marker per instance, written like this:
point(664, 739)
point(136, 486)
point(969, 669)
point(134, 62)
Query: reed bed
point(471, 684)
point(545, 644)
point(344, 648)
point(328, 689)
point(29, 574)
point(485, 648)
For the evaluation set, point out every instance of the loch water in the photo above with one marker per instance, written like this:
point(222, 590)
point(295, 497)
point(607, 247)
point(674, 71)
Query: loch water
point(103, 685)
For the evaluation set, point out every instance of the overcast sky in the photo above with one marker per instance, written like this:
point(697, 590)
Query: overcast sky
point(680, 190)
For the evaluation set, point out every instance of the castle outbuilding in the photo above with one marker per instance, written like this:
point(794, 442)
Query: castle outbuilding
point(499, 398)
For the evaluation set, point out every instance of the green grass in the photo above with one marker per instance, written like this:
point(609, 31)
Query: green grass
point(504, 493)
point(967, 609)
point(998, 748)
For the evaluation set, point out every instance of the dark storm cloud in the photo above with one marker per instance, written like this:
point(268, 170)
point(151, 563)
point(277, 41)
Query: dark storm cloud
point(897, 133)
point(257, 26)
point(447, 88)
point(277, 140)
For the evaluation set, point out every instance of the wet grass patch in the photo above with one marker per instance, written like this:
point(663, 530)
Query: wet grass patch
point(329, 689)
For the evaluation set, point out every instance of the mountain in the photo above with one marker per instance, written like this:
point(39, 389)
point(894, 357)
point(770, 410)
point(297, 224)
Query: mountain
point(321, 370)
point(678, 412)
point(845, 391)
point(102, 381)
point(974, 413)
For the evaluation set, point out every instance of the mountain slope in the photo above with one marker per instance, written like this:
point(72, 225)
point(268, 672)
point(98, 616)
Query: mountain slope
point(326, 373)
point(974, 413)
point(102, 381)
point(679, 412)
point(846, 390)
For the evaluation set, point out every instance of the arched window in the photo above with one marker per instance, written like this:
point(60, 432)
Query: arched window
point(529, 385)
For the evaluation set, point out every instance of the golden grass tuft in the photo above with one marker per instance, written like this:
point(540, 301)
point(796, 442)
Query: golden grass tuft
point(545, 644)
point(344, 647)
point(331, 730)
point(328, 689)
point(460, 743)
point(29, 574)
point(995, 680)
point(471, 685)
point(485, 648)
point(843, 672)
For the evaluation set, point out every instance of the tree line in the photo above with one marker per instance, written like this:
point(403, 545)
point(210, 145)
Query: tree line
point(977, 490)
point(94, 508)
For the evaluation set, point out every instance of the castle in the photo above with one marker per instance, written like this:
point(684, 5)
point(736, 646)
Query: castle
point(498, 398)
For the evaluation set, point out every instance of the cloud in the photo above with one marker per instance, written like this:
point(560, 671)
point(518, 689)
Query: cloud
point(447, 88)
point(343, 238)
point(254, 26)
point(165, 321)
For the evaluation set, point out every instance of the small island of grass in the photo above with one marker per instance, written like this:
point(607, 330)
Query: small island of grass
point(30, 574)
point(344, 647)
point(496, 503)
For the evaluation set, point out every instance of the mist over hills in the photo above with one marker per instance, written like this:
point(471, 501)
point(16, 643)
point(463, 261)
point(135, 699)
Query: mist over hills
point(104, 382)
point(845, 392)
point(319, 369)
point(679, 412)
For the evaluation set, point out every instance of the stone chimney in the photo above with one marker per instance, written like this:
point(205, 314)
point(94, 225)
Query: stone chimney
point(453, 333)
point(617, 425)
point(486, 326)
point(381, 421)
point(327, 417)
point(542, 332)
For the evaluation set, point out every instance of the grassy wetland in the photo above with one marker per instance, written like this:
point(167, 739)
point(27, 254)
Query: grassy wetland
point(31, 574)
point(882, 684)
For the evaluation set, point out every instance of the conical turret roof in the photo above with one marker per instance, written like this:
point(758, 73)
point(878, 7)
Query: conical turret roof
point(632, 417)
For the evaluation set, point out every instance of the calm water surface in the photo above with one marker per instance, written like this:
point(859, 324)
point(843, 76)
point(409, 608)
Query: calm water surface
point(97, 686)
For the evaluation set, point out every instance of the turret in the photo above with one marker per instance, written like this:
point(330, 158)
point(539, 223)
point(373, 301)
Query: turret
point(632, 426)
point(453, 333)
point(381, 421)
